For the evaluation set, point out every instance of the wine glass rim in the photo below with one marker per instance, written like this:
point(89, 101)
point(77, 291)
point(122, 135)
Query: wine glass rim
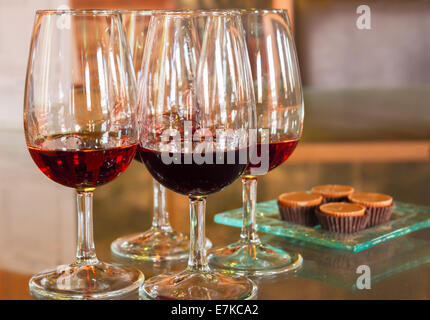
point(97, 12)
point(140, 12)
point(197, 12)
point(262, 11)
point(147, 12)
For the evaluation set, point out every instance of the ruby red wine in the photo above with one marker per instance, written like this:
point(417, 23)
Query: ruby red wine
point(83, 168)
point(277, 152)
point(193, 179)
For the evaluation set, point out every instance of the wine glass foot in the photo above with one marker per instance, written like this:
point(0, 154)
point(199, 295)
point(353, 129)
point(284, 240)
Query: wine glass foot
point(192, 285)
point(81, 282)
point(155, 245)
point(253, 259)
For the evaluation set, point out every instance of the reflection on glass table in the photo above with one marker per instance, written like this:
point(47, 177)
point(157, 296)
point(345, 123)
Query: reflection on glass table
point(340, 268)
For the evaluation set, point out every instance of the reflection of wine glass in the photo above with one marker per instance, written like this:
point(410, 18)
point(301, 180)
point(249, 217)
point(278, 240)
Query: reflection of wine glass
point(79, 120)
point(181, 110)
point(160, 242)
point(279, 107)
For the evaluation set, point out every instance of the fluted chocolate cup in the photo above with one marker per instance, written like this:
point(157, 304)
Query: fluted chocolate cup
point(342, 217)
point(333, 192)
point(299, 207)
point(379, 206)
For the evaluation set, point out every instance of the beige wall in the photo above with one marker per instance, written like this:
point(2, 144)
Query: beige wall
point(16, 24)
point(334, 53)
point(37, 216)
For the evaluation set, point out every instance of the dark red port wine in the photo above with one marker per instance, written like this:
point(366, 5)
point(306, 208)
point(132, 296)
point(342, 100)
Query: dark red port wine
point(277, 152)
point(83, 169)
point(193, 179)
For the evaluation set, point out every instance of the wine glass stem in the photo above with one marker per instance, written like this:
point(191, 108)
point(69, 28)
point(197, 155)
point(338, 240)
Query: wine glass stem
point(85, 252)
point(160, 219)
point(197, 261)
point(249, 228)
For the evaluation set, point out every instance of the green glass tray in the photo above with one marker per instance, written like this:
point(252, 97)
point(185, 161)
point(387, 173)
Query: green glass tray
point(406, 218)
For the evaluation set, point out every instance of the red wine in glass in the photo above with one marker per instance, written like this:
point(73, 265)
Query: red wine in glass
point(194, 179)
point(277, 152)
point(82, 168)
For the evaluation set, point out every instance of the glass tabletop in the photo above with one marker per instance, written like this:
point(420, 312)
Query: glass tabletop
point(38, 225)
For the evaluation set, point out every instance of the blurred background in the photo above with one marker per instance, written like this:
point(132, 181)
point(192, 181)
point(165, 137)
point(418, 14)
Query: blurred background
point(367, 124)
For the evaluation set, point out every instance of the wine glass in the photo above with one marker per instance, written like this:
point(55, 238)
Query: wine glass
point(197, 105)
point(280, 112)
point(160, 242)
point(80, 128)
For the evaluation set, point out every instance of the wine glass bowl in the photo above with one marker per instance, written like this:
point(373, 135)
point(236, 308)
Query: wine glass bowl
point(161, 242)
point(80, 128)
point(197, 104)
point(280, 112)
